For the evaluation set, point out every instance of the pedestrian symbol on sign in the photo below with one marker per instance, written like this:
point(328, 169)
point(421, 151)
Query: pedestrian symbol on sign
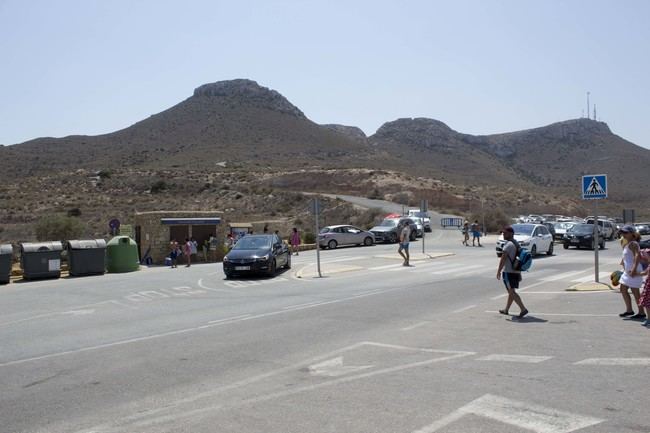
point(594, 187)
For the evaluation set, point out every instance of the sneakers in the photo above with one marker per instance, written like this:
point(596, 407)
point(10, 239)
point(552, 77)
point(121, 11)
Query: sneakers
point(646, 323)
point(626, 314)
point(638, 316)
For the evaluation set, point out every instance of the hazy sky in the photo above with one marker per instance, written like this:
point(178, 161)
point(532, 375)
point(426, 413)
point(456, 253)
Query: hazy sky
point(90, 67)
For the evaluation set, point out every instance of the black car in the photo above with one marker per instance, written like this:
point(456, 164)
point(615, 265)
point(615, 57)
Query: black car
point(645, 243)
point(390, 228)
point(643, 228)
point(551, 228)
point(582, 235)
point(257, 254)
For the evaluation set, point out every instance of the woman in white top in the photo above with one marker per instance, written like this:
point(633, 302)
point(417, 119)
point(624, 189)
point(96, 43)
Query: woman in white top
point(631, 278)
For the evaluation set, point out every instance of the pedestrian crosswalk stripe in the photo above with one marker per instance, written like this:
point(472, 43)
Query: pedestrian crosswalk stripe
point(601, 276)
point(461, 269)
point(565, 275)
point(515, 358)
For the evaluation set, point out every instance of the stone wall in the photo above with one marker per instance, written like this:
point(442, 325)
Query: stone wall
point(156, 236)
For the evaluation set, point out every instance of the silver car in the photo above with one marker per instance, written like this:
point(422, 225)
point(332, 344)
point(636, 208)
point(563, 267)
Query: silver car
point(333, 236)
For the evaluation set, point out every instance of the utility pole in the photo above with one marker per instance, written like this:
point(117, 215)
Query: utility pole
point(588, 105)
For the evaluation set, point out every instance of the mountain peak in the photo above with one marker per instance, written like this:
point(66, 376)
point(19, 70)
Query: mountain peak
point(248, 91)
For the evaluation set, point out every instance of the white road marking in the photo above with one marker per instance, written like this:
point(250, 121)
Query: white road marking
point(186, 330)
point(230, 319)
point(335, 368)
point(629, 362)
point(564, 275)
point(461, 310)
point(461, 270)
point(417, 325)
point(377, 268)
point(601, 276)
point(192, 413)
point(515, 358)
point(420, 267)
point(306, 304)
point(213, 289)
point(80, 312)
point(153, 294)
point(494, 298)
point(519, 414)
point(565, 314)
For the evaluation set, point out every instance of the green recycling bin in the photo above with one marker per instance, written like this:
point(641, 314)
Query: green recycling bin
point(41, 260)
point(122, 255)
point(86, 257)
point(6, 258)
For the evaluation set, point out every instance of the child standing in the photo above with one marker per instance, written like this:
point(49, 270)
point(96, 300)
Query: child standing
point(294, 240)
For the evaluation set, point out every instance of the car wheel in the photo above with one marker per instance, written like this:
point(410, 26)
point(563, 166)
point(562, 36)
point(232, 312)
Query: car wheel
point(533, 251)
point(288, 265)
point(332, 244)
point(368, 241)
point(272, 269)
point(550, 250)
point(566, 246)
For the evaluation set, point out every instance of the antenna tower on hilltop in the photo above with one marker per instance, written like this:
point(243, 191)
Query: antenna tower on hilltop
point(588, 105)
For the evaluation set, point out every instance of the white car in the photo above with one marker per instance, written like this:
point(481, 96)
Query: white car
point(561, 229)
point(424, 217)
point(534, 237)
point(333, 236)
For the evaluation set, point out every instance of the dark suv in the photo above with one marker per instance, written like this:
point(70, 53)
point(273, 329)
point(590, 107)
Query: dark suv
point(390, 228)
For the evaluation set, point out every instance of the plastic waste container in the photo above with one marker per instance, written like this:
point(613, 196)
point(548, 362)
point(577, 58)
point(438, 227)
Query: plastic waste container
point(86, 257)
point(6, 258)
point(41, 260)
point(122, 255)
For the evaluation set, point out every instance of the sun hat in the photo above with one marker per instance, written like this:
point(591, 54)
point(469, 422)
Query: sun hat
point(627, 229)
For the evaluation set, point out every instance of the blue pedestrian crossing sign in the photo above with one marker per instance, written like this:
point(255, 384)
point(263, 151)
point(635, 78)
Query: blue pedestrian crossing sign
point(594, 187)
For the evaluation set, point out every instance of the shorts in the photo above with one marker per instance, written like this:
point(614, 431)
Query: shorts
point(511, 280)
point(476, 234)
point(403, 246)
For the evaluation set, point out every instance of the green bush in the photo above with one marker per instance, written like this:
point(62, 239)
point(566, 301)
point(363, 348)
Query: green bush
point(158, 186)
point(59, 228)
point(309, 238)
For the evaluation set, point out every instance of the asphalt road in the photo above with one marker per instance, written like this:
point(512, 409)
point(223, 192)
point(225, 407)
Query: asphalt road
point(371, 347)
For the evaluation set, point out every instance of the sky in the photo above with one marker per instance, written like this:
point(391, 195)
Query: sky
point(482, 67)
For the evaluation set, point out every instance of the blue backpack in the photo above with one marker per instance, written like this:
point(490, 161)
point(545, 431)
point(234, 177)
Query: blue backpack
point(523, 258)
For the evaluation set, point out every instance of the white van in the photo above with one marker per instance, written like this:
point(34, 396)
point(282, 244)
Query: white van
point(426, 219)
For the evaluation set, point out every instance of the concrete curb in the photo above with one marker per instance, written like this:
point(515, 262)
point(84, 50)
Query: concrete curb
point(589, 287)
point(313, 272)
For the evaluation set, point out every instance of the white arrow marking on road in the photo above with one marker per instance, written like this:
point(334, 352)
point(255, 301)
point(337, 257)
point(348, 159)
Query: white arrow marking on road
point(522, 415)
point(515, 358)
point(335, 368)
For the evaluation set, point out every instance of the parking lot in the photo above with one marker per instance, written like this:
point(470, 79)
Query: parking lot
point(370, 347)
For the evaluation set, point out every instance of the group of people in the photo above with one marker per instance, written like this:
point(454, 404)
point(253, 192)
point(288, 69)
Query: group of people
point(633, 276)
point(475, 230)
point(294, 238)
point(188, 251)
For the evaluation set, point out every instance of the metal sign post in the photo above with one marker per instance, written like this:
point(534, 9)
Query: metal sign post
point(594, 187)
point(315, 209)
point(423, 210)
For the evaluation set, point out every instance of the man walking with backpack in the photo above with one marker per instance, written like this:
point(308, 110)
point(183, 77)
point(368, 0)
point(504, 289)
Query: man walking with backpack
point(509, 272)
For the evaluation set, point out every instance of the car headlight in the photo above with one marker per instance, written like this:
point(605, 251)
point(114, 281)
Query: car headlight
point(263, 258)
point(226, 259)
point(524, 243)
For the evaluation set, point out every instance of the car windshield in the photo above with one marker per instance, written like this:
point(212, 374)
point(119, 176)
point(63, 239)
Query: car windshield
point(582, 228)
point(524, 229)
point(253, 243)
point(563, 225)
point(388, 223)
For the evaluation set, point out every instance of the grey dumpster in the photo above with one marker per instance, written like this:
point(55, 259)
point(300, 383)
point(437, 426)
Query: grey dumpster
point(6, 256)
point(41, 260)
point(87, 257)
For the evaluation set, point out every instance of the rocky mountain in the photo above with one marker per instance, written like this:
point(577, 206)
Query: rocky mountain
point(236, 121)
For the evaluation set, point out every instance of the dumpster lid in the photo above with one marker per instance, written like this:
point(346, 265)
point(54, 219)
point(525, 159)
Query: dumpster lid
point(34, 247)
point(6, 249)
point(86, 244)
